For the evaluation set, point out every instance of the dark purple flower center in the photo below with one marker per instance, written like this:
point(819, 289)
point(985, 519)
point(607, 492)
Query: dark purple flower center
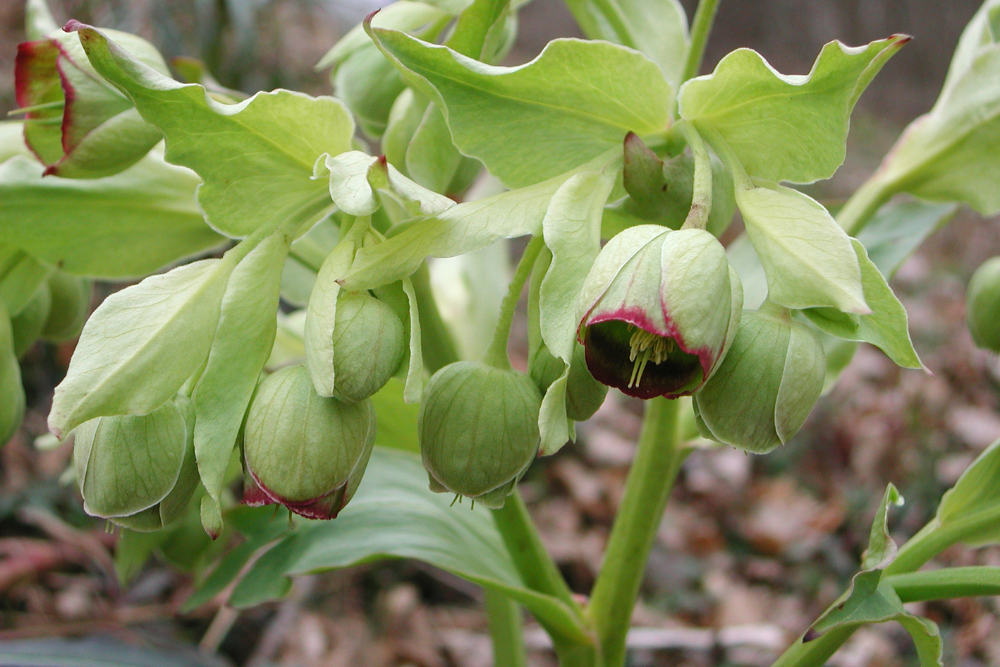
point(638, 362)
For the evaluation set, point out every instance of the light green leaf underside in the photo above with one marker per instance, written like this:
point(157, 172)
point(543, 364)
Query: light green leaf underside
point(394, 515)
point(975, 499)
point(461, 229)
point(242, 343)
point(658, 29)
point(807, 257)
point(569, 105)
point(786, 127)
point(899, 228)
point(122, 226)
point(256, 157)
point(950, 153)
point(885, 328)
point(141, 345)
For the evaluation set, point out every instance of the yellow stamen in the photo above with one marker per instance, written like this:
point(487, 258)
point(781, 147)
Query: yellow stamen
point(646, 347)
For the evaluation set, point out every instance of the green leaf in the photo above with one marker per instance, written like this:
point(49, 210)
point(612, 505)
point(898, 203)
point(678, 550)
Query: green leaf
point(872, 599)
point(256, 157)
point(122, 226)
point(807, 257)
point(461, 229)
point(885, 328)
point(949, 153)
point(394, 515)
point(258, 527)
point(573, 102)
point(242, 343)
point(657, 28)
point(12, 140)
point(97, 651)
point(786, 127)
point(899, 228)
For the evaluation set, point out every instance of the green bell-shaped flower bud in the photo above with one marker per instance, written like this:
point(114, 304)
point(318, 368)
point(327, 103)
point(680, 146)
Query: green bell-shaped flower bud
point(138, 472)
point(29, 323)
point(368, 342)
point(767, 385)
point(982, 305)
point(660, 191)
point(478, 430)
point(11, 391)
point(302, 450)
point(661, 308)
point(70, 305)
point(584, 394)
point(76, 123)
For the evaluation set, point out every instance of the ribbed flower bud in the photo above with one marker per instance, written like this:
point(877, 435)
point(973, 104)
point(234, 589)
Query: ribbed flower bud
point(69, 306)
point(29, 323)
point(661, 308)
point(302, 450)
point(478, 430)
point(368, 342)
point(767, 385)
point(983, 305)
point(137, 471)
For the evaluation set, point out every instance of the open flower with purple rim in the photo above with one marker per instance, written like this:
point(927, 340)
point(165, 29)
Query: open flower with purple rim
point(76, 123)
point(660, 309)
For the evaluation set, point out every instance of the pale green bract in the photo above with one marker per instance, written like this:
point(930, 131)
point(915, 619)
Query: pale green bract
point(785, 127)
point(572, 231)
point(807, 257)
point(141, 345)
point(241, 344)
point(257, 162)
point(461, 229)
point(885, 327)
point(567, 106)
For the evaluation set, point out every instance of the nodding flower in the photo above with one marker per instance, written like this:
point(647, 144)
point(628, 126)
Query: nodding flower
point(659, 310)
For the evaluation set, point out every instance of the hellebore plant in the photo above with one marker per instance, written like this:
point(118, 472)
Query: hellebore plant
point(296, 352)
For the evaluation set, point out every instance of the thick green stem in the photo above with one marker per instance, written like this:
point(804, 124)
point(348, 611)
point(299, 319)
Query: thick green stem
point(438, 347)
point(935, 538)
point(700, 29)
point(496, 354)
point(506, 630)
point(952, 582)
point(814, 653)
point(701, 198)
point(864, 204)
point(650, 480)
point(533, 562)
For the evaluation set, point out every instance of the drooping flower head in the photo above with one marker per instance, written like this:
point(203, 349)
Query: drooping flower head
point(660, 309)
